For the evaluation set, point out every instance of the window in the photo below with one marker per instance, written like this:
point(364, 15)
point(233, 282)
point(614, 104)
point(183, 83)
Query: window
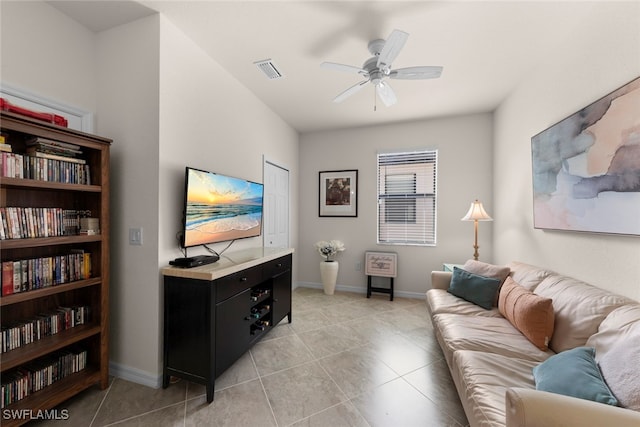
point(407, 198)
point(399, 207)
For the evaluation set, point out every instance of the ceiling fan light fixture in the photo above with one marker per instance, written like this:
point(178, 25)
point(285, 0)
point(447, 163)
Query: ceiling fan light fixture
point(269, 69)
point(378, 68)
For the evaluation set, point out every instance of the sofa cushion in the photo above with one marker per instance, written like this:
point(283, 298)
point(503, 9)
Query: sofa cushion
point(441, 301)
point(574, 373)
point(474, 288)
point(531, 314)
point(620, 325)
point(480, 268)
point(579, 309)
point(528, 276)
point(619, 367)
point(486, 334)
point(482, 380)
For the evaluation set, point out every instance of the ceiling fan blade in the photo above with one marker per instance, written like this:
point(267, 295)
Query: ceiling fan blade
point(347, 93)
point(392, 48)
point(386, 94)
point(344, 68)
point(416, 73)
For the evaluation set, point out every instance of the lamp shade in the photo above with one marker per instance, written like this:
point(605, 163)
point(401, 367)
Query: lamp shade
point(477, 213)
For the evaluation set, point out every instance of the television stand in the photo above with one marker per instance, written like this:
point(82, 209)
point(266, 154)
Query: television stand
point(194, 261)
point(215, 314)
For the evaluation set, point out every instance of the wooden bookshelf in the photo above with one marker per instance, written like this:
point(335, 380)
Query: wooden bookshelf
point(93, 291)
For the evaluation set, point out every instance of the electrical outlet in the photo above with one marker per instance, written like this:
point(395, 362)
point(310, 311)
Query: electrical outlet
point(135, 236)
point(358, 266)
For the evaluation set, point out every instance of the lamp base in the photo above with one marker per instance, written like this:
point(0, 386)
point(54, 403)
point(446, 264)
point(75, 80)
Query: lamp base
point(475, 240)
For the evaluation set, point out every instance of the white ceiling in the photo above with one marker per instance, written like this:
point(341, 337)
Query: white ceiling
point(485, 47)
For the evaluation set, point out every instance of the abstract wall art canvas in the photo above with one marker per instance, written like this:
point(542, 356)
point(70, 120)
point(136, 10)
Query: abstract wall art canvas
point(586, 168)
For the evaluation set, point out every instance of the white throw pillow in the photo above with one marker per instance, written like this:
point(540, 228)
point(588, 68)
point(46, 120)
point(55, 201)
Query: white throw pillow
point(620, 367)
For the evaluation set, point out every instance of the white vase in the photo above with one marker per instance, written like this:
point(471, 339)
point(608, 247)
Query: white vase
point(329, 275)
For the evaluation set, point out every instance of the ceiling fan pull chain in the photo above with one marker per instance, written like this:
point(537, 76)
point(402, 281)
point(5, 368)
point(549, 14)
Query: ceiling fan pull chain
point(375, 100)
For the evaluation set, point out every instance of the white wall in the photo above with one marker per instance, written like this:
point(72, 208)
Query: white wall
point(169, 105)
point(208, 120)
point(601, 56)
point(47, 53)
point(128, 87)
point(465, 156)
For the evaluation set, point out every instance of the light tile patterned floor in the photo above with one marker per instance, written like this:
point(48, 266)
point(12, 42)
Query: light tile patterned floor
point(344, 361)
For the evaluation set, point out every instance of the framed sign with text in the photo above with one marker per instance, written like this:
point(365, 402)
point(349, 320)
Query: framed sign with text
point(382, 264)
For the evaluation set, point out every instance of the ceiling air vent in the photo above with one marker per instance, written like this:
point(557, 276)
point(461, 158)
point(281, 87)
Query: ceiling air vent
point(269, 69)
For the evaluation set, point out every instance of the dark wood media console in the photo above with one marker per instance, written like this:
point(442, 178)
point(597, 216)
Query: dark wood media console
point(214, 313)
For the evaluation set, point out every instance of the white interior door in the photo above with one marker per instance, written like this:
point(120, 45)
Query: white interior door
point(276, 206)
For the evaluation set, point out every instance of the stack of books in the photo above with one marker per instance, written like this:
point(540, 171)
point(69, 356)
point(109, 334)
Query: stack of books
point(56, 150)
point(45, 160)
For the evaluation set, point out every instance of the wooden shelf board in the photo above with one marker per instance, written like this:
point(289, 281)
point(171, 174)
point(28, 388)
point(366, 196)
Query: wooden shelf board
point(50, 290)
point(49, 185)
point(49, 241)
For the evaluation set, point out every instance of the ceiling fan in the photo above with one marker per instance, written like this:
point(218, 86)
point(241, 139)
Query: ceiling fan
point(377, 68)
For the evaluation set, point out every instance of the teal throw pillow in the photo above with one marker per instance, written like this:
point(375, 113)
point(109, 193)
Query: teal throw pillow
point(474, 288)
point(574, 373)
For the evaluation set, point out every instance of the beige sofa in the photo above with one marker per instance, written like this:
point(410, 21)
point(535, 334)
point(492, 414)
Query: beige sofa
point(491, 361)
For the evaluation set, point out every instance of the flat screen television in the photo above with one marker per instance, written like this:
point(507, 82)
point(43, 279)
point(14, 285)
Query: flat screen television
point(220, 208)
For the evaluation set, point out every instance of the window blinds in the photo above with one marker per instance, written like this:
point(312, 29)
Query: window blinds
point(407, 198)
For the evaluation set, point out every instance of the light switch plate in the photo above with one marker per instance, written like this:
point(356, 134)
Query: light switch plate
point(135, 236)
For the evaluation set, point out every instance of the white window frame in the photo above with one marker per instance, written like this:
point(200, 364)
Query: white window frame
point(421, 227)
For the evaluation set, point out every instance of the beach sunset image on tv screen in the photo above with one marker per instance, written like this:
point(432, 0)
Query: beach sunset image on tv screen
point(220, 208)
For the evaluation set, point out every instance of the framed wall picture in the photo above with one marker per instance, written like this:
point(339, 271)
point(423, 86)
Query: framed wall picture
point(382, 264)
point(338, 193)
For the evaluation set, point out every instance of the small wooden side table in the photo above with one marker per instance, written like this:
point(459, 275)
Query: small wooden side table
point(388, 290)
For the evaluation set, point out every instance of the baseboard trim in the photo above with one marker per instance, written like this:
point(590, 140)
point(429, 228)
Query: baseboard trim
point(135, 375)
point(359, 290)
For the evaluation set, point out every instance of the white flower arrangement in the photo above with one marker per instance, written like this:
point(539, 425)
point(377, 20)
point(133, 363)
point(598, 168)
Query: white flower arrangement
point(330, 248)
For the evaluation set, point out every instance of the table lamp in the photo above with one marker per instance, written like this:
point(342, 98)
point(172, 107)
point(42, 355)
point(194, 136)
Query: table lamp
point(476, 213)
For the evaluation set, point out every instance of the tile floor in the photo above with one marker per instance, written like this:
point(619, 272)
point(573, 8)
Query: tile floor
point(345, 360)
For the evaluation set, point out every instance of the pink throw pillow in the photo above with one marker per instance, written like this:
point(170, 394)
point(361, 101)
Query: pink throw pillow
point(531, 314)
